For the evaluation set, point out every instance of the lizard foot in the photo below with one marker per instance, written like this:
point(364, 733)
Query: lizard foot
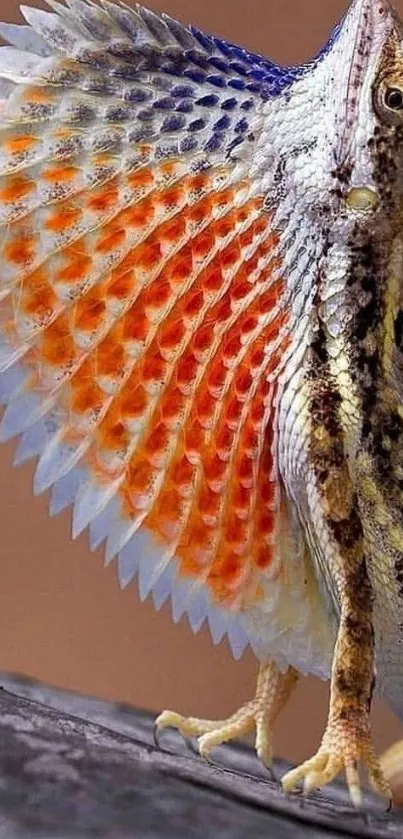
point(343, 747)
point(273, 689)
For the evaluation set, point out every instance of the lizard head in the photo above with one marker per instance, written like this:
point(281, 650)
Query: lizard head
point(340, 144)
point(364, 76)
point(386, 145)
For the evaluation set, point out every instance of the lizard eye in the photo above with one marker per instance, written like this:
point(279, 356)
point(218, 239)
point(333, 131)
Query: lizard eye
point(393, 98)
point(388, 102)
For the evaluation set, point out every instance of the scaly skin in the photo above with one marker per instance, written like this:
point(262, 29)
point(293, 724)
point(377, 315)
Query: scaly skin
point(201, 323)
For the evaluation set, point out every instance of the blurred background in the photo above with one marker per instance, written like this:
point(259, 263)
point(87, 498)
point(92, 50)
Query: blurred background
point(63, 618)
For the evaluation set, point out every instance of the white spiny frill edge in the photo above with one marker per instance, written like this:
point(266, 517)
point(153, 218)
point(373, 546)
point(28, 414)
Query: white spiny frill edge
point(97, 508)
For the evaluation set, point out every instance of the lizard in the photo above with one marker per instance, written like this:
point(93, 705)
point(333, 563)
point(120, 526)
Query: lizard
point(201, 337)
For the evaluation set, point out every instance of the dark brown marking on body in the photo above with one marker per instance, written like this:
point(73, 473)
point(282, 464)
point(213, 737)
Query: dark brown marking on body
point(398, 330)
point(354, 671)
point(348, 531)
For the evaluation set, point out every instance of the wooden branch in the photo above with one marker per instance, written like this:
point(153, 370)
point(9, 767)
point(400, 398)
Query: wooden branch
point(75, 767)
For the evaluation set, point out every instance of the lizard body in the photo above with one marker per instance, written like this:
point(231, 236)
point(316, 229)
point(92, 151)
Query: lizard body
point(201, 328)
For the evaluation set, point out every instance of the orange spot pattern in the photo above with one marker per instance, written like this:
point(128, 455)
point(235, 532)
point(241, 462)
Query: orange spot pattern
point(15, 188)
point(161, 325)
point(19, 144)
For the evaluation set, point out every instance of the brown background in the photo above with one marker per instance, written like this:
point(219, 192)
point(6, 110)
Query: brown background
point(62, 616)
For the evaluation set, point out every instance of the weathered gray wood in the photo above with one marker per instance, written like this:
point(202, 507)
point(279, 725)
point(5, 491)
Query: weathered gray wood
point(73, 767)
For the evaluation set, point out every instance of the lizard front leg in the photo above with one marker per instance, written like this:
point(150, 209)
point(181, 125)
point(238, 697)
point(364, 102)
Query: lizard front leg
point(347, 739)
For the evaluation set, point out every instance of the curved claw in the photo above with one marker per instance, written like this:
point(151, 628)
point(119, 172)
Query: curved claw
point(205, 745)
point(159, 726)
point(157, 735)
point(335, 755)
point(164, 720)
point(192, 746)
point(306, 772)
point(273, 777)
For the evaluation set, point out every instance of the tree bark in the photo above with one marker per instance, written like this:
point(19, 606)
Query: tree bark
point(74, 767)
